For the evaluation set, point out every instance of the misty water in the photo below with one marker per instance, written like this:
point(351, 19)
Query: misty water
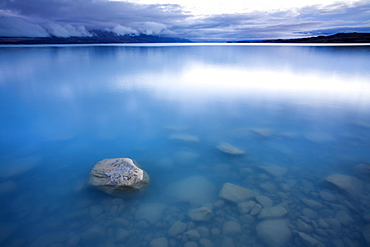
point(301, 114)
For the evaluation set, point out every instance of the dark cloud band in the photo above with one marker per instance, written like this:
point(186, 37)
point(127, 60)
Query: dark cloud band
point(43, 18)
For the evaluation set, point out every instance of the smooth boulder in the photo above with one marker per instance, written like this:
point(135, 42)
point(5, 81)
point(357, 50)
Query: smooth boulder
point(118, 177)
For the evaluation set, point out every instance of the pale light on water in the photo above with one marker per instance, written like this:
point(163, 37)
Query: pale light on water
point(300, 114)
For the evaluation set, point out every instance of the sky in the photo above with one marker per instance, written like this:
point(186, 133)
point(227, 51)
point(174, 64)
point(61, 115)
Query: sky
point(197, 20)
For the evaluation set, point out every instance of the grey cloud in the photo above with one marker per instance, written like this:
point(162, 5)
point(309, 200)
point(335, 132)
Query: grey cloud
point(65, 18)
point(123, 30)
point(42, 18)
point(19, 27)
point(67, 30)
point(296, 23)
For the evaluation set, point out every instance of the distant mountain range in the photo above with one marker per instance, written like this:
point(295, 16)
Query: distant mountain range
point(106, 37)
point(336, 38)
point(98, 37)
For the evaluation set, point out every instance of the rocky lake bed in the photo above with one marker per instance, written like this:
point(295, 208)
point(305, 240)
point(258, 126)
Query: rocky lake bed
point(238, 145)
point(233, 202)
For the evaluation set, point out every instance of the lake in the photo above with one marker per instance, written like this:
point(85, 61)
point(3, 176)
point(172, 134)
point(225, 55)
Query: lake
point(295, 117)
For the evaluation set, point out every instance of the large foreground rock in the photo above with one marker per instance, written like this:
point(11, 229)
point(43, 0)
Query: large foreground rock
point(348, 184)
point(118, 177)
point(274, 233)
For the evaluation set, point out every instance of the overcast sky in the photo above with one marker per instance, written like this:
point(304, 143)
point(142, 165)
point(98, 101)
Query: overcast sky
point(197, 20)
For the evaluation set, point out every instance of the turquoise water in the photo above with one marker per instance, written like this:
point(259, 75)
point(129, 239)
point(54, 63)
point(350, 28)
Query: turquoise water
point(303, 109)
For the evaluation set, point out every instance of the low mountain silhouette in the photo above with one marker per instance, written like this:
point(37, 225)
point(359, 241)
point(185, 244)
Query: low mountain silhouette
point(336, 38)
point(96, 38)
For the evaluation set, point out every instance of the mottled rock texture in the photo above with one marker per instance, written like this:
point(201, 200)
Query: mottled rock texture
point(118, 177)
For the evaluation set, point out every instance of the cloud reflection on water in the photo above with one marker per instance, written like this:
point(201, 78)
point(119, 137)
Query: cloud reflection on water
point(206, 82)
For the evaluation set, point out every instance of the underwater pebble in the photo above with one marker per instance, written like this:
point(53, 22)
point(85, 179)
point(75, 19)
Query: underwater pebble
point(247, 219)
point(303, 227)
point(327, 196)
point(122, 235)
point(268, 187)
point(344, 218)
point(274, 232)
point(272, 212)
point(264, 201)
point(95, 211)
point(235, 193)
point(159, 242)
point(203, 231)
point(201, 214)
point(204, 242)
point(227, 242)
point(231, 228)
point(7, 187)
point(229, 149)
point(192, 235)
point(215, 231)
point(309, 213)
point(184, 137)
point(308, 240)
point(177, 228)
point(256, 209)
point(190, 244)
point(322, 223)
point(246, 207)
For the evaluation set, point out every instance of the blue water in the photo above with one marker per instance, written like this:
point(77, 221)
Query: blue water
point(65, 108)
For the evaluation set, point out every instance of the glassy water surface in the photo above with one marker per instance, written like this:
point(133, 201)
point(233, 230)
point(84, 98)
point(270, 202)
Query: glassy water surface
point(300, 114)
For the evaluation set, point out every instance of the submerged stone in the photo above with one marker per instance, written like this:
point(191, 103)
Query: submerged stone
point(263, 132)
point(348, 184)
point(308, 240)
point(151, 212)
point(184, 137)
point(118, 177)
point(201, 214)
point(159, 242)
point(195, 189)
point(274, 233)
point(363, 170)
point(272, 212)
point(177, 228)
point(327, 196)
point(319, 137)
point(231, 228)
point(275, 171)
point(192, 235)
point(366, 234)
point(246, 207)
point(264, 201)
point(235, 193)
point(229, 149)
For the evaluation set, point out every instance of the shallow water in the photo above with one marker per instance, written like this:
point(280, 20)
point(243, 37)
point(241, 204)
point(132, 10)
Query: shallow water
point(304, 109)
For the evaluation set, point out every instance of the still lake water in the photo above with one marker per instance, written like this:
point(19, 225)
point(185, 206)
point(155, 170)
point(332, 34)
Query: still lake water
point(300, 113)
